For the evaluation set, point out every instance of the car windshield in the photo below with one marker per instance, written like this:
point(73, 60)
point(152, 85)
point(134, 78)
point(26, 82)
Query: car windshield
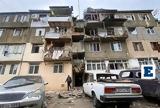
point(104, 77)
point(22, 80)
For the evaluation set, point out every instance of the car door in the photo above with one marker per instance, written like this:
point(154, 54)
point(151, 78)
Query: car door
point(90, 84)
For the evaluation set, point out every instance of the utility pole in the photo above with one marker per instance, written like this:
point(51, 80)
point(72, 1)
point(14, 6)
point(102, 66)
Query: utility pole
point(79, 8)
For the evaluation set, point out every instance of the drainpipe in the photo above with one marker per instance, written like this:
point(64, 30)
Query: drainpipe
point(22, 59)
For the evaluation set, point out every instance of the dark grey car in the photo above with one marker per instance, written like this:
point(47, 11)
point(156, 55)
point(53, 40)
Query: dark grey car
point(23, 91)
point(150, 88)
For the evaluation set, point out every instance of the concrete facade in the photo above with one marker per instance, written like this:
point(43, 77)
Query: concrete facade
point(53, 44)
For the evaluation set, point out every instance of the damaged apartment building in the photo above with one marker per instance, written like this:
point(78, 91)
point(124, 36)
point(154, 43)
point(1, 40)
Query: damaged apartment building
point(117, 40)
point(54, 44)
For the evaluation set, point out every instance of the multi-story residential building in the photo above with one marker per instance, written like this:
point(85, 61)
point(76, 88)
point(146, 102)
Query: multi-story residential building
point(120, 39)
point(37, 42)
point(53, 44)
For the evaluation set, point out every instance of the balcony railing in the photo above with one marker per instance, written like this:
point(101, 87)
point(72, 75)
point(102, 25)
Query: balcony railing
point(57, 35)
point(57, 54)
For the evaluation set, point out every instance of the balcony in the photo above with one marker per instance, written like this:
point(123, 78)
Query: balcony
point(58, 36)
point(57, 54)
point(59, 21)
point(77, 47)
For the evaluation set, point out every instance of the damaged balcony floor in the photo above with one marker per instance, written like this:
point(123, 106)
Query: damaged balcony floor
point(76, 99)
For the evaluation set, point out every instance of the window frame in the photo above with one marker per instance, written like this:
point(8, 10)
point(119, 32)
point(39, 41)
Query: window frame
point(34, 46)
point(136, 47)
point(34, 65)
point(42, 30)
point(119, 46)
point(96, 63)
point(115, 63)
point(17, 30)
point(58, 65)
point(1, 32)
point(2, 69)
point(95, 47)
point(13, 69)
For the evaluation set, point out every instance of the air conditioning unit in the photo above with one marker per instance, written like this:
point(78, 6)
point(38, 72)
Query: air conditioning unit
point(35, 16)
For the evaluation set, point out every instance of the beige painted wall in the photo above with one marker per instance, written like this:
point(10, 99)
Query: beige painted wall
point(28, 56)
point(6, 76)
point(55, 80)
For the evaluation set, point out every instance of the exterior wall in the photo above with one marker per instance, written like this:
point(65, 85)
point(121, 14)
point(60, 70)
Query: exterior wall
point(56, 81)
point(28, 56)
point(6, 76)
point(106, 52)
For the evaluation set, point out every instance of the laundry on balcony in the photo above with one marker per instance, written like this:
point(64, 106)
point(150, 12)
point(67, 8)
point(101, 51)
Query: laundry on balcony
point(57, 54)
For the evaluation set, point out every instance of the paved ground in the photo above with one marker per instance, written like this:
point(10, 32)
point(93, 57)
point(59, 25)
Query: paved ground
point(54, 100)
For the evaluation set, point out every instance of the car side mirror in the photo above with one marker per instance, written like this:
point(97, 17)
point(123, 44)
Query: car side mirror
point(45, 83)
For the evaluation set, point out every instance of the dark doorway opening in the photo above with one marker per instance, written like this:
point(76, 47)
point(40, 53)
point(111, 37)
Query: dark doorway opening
point(78, 79)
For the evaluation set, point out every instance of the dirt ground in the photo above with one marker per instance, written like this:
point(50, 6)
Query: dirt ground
point(76, 99)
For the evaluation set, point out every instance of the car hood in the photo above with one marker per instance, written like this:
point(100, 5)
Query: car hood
point(25, 88)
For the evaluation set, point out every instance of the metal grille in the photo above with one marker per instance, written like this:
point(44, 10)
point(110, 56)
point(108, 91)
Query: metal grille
point(11, 97)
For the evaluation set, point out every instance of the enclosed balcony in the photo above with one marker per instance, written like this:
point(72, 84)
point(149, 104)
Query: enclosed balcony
point(60, 21)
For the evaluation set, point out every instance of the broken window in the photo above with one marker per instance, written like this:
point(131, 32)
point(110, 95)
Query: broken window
point(36, 48)
point(5, 18)
point(13, 49)
point(132, 30)
point(130, 17)
point(145, 61)
point(2, 69)
point(150, 30)
point(118, 64)
point(17, 32)
point(138, 46)
point(110, 31)
point(13, 69)
point(93, 32)
point(94, 47)
point(96, 65)
point(154, 45)
point(33, 68)
point(116, 46)
point(1, 32)
point(58, 68)
point(144, 17)
point(40, 32)
point(93, 17)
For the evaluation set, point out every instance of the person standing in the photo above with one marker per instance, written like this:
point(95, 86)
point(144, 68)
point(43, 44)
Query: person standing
point(69, 81)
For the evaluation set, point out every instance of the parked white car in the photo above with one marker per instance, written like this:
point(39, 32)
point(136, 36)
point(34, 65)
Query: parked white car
point(108, 88)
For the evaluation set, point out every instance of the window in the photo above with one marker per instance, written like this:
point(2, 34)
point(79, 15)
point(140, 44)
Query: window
point(130, 17)
point(40, 32)
point(116, 46)
point(34, 68)
point(2, 69)
point(96, 65)
point(110, 31)
point(17, 32)
point(144, 17)
point(138, 46)
point(21, 18)
point(95, 47)
point(5, 19)
point(58, 68)
point(132, 30)
point(36, 48)
point(93, 32)
point(13, 49)
point(13, 69)
point(154, 45)
point(157, 63)
point(144, 61)
point(118, 64)
point(150, 30)
point(1, 32)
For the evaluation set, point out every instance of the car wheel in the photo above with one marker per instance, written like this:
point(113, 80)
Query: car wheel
point(96, 102)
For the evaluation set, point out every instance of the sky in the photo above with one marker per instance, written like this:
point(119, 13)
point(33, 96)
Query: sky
point(25, 5)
